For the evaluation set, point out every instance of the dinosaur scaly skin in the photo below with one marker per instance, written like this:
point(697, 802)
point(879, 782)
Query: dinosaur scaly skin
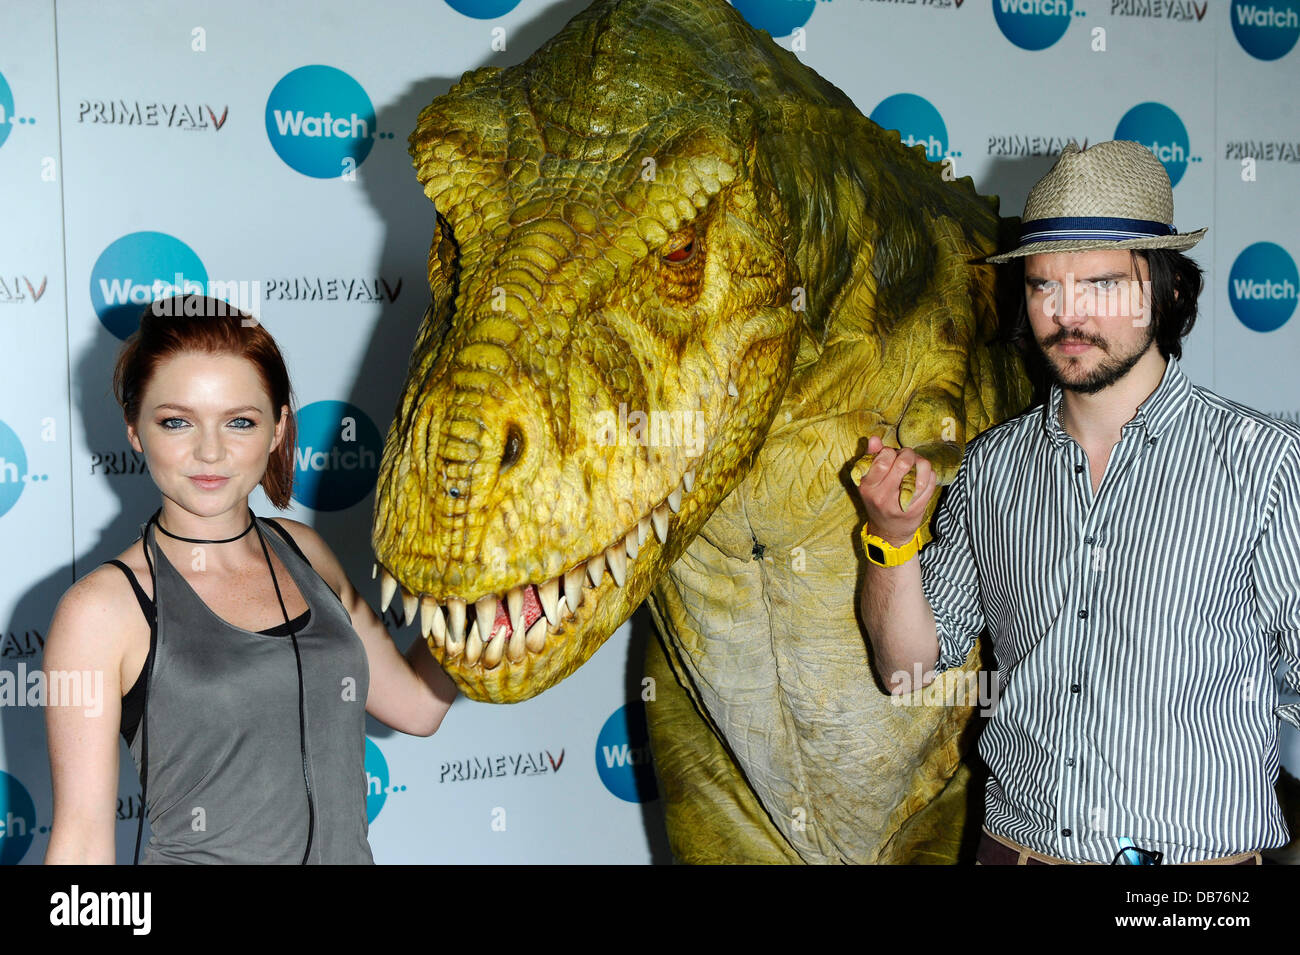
point(662, 214)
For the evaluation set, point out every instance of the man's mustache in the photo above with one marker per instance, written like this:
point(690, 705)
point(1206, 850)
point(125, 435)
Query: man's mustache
point(1065, 337)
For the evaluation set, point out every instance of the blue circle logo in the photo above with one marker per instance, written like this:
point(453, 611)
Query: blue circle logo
point(138, 269)
point(13, 468)
point(917, 123)
point(376, 780)
point(623, 755)
point(777, 17)
point(336, 461)
point(1266, 29)
point(1033, 24)
point(1262, 286)
point(6, 110)
point(483, 9)
point(17, 819)
point(320, 122)
point(1158, 128)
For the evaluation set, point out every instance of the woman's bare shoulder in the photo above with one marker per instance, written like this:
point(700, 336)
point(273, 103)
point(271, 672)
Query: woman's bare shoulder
point(317, 552)
point(101, 608)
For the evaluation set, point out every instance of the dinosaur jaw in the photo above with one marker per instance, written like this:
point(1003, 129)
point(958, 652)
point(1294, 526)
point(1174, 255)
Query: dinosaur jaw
point(539, 632)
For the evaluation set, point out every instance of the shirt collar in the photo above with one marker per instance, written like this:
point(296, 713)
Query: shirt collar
point(1154, 416)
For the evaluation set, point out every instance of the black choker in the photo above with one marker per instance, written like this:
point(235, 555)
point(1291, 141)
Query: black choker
point(197, 540)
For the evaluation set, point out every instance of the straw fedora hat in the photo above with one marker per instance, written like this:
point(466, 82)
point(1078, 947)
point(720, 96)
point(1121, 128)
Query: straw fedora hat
point(1112, 195)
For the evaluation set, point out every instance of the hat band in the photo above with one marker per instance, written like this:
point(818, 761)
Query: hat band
point(1091, 227)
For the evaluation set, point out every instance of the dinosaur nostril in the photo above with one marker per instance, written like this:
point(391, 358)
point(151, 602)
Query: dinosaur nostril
point(514, 446)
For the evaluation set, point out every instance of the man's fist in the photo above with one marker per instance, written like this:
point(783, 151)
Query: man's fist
point(883, 476)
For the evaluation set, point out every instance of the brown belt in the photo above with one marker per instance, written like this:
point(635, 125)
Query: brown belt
point(998, 850)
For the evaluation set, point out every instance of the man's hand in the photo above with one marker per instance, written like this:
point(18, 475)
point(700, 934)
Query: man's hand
point(880, 490)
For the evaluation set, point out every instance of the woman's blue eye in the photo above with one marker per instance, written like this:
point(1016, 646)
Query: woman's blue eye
point(175, 424)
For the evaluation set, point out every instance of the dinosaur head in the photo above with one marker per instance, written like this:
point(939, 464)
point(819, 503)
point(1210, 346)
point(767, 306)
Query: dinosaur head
point(610, 333)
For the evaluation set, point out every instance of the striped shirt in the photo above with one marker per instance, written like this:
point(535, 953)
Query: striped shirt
point(1136, 631)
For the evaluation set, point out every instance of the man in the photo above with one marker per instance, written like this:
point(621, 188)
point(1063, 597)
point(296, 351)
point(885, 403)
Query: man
point(1132, 547)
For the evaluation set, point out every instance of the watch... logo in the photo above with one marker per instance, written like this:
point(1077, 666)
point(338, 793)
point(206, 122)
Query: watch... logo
point(1266, 29)
point(1262, 286)
point(321, 122)
point(623, 759)
point(8, 120)
point(1034, 24)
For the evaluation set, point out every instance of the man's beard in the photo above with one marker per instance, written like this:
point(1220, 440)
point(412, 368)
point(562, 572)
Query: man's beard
point(1110, 370)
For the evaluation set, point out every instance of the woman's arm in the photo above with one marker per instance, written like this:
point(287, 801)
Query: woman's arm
point(412, 693)
point(85, 638)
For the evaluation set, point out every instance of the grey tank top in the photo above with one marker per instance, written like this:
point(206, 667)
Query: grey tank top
point(225, 774)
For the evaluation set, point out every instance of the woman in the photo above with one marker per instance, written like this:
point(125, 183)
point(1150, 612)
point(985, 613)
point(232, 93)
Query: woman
point(254, 655)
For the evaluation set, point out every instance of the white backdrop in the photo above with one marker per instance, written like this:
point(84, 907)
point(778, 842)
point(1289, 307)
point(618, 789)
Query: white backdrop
point(142, 139)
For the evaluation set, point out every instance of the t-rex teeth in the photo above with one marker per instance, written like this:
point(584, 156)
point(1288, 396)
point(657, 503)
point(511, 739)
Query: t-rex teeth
point(642, 530)
point(731, 389)
point(631, 545)
point(473, 645)
point(659, 517)
point(549, 594)
point(409, 604)
point(515, 608)
point(387, 587)
point(456, 624)
point(596, 569)
point(675, 499)
point(573, 587)
point(485, 611)
point(616, 558)
point(536, 638)
point(496, 647)
point(431, 621)
point(688, 481)
point(516, 647)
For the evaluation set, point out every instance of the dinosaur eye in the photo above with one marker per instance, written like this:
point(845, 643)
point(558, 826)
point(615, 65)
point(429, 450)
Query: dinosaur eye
point(683, 253)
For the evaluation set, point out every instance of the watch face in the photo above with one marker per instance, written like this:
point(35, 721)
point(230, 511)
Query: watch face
point(875, 553)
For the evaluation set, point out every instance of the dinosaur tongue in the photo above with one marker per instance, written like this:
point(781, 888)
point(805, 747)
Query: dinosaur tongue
point(532, 610)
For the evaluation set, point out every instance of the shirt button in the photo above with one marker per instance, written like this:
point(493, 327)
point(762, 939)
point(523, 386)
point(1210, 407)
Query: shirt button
point(1069, 760)
point(1074, 688)
point(1083, 615)
point(1078, 469)
point(1089, 539)
point(1065, 832)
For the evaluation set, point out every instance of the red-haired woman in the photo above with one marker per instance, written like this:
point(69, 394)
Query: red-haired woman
point(241, 656)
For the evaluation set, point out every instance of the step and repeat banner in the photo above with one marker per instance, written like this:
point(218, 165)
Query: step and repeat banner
point(259, 149)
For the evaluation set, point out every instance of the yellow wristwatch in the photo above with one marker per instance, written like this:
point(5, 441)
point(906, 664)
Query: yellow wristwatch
point(880, 551)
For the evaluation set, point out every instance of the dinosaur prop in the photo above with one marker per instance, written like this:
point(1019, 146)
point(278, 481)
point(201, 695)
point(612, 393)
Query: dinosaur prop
point(677, 279)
